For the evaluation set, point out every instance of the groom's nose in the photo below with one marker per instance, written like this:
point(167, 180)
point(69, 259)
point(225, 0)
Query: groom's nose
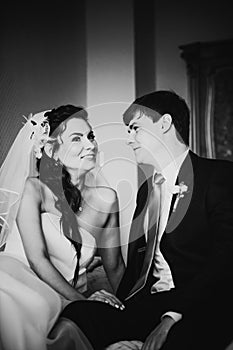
point(131, 139)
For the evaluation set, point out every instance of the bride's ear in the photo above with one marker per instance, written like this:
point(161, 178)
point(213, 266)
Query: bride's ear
point(48, 149)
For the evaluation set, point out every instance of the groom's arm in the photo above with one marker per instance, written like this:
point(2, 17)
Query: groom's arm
point(216, 275)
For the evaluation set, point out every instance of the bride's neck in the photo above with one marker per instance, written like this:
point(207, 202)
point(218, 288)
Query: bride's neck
point(78, 181)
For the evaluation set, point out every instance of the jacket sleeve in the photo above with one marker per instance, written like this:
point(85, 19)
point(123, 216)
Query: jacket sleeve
point(215, 280)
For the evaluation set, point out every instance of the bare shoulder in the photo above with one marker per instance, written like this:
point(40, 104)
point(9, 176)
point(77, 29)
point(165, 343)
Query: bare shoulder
point(33, 187)
point(108, 194)
point(106, 197)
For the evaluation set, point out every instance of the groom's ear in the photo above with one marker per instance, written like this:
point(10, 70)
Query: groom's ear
point(166, 122)
point(48, 149)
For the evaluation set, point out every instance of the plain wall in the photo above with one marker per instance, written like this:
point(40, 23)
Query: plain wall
point(42, 60)
point(110, 89)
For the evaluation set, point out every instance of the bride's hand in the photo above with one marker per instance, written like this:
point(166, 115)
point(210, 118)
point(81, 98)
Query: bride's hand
point(108, 298)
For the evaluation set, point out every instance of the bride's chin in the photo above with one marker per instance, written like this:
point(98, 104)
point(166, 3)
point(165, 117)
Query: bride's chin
point(89, 168)
point(92, 167)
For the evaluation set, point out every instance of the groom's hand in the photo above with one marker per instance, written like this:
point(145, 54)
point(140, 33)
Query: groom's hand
point(108, 298)
point(159, 335)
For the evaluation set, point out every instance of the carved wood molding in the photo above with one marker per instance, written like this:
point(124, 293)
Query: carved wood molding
point(210, 87)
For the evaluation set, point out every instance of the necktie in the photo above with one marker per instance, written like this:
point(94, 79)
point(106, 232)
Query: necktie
point(153, 224)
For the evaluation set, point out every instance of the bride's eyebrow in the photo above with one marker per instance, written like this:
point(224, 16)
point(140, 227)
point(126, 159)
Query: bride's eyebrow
point(76, 133)
point(80, 134)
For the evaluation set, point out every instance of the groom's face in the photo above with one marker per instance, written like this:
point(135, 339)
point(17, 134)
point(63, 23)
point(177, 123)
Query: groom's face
point(145, 138)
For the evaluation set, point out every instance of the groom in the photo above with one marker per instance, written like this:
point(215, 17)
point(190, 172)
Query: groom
point(178, 285)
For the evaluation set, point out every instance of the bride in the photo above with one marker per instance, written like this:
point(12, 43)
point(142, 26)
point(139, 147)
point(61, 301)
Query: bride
point(52, 225)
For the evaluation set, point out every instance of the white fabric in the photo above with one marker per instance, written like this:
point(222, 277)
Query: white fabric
point(126, 345)
point(61, 251)
point(67, 336)
point(175, 315)
point(161, 268)
point(29, 308)
point(14, 171)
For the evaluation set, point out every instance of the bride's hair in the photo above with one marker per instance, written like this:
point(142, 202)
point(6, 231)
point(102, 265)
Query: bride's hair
point(54, 174)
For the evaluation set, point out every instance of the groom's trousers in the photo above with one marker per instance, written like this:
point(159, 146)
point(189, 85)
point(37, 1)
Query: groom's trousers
point(204, 327)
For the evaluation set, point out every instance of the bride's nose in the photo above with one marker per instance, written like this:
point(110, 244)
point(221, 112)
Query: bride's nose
point(88, 144)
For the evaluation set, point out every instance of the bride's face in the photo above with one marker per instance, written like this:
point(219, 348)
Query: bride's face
point(78, 148)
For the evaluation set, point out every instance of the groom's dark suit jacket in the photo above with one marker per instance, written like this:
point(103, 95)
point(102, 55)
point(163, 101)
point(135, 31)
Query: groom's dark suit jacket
point(198, 240)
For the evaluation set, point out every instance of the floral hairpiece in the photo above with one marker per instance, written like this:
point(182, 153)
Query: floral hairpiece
point(40, 129)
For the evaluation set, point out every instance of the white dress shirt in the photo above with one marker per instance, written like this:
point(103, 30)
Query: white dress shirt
point(161, 268)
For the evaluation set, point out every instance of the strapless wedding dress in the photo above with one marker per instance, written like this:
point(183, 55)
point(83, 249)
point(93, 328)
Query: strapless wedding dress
point(29, 308)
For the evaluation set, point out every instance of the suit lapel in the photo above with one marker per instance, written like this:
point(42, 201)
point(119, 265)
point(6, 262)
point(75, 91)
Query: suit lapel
point(137, 235)
point(185, 176)
point(137, 242)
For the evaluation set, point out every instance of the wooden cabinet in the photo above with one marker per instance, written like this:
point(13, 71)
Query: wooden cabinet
point(210, 79)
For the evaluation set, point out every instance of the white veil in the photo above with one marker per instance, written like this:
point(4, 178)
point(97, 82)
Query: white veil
point(20, 164)
point(17, 167)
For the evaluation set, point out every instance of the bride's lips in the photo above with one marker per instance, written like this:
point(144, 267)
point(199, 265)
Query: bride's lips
point(89, 155)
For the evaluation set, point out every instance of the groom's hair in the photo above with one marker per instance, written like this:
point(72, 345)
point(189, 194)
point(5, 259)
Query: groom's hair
point(156, 104)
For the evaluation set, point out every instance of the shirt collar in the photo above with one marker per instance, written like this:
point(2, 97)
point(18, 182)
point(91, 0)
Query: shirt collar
point(170, 172)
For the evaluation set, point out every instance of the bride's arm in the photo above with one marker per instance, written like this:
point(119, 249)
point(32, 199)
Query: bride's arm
point(29, 224)
point(109, 244)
